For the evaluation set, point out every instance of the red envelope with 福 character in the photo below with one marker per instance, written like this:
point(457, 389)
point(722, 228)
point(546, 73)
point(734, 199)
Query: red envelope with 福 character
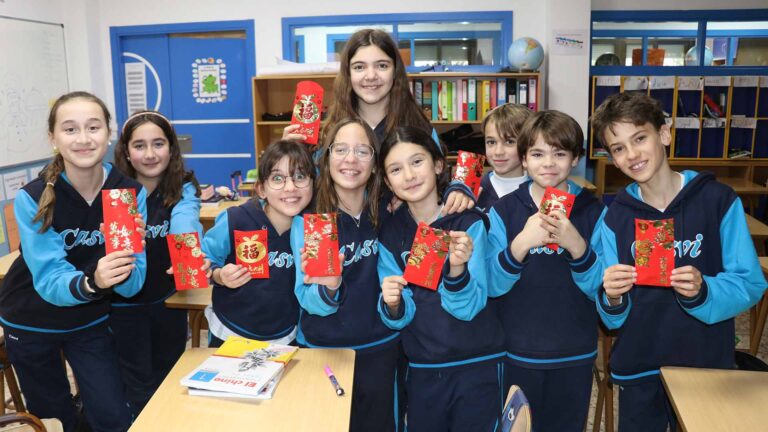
point(654, 251)
point(427, 257)
point(321, 244)
point(187, 261)
point(556, 202)
point(307, 110)
point(469, 170)
point(252, 252)
point(119, 210)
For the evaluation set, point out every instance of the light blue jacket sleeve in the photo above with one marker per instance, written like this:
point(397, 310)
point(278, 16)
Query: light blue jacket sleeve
point(613, 316)
point(740, 285)
point(216, 243)
point(312, 297)
point(587, 271)
point(185, 216)
point(387, 266)
point(131, 286)
point(503, 269)
point(56, 280)
point(466, 295)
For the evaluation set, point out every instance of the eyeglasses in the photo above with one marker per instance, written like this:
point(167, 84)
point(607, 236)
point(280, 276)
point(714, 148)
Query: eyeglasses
point(363, 152)
point(278, 181)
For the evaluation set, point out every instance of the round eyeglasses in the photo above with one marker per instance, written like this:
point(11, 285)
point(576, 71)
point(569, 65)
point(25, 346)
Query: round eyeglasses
point(278, 181)
point(363, 152)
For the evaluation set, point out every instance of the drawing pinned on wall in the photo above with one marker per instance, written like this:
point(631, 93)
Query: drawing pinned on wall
point(209, 80)
point(569, 42)
point(13, 182)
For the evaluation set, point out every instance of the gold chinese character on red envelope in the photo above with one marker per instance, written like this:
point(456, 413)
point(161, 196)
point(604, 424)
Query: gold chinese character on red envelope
point(321, 244)
point(119, 210)
point(252, 252)
point(469, 170)
point(654, 251)
point(308, 109)
point(556, 202)
point(187, 261)
point(428, 254)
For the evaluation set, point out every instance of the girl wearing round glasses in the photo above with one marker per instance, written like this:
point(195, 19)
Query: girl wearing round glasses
point(340, 312)
point(263, 309)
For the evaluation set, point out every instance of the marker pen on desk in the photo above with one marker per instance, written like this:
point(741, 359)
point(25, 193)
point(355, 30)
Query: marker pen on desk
point(334, 381)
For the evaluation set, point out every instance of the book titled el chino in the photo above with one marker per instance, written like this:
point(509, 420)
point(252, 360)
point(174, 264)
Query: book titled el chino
point(240, 366)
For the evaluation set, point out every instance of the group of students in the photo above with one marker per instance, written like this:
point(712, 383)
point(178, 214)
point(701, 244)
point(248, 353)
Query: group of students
point(508, 309)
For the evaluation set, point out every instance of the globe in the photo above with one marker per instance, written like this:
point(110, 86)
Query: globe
point(525, 54)
point(692, 56)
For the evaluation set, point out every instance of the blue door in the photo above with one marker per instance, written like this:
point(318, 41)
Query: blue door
point(201, 81)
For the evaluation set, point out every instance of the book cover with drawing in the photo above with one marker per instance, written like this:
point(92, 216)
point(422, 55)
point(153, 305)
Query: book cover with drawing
point(241, 366)
point(119, 211)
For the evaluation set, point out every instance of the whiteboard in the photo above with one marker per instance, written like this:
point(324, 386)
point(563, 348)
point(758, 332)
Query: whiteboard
point(33, 73)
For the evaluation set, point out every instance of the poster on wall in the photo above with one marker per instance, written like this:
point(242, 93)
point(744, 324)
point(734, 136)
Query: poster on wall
point(209, 80)
point(13, 182)
point(569, 42)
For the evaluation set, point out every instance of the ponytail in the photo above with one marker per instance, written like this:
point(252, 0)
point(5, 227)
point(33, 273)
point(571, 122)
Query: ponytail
point(48, 199)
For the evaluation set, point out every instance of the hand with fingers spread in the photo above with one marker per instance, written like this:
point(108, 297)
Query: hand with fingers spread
point(331, 283)
point(562, 232)
point(113, 269)
point(391, 292)
point(459, 252)
point(686, 281)
point(232, 276)
point(289, 133)
point(457, 202)
point(532, 235)
point(617, 280)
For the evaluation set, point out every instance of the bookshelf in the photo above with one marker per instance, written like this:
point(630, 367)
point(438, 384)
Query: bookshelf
point(274, 94)
point(712, 120)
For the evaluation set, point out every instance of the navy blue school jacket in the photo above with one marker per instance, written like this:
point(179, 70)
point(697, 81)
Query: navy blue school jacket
point(657, 326)
point(488, 196)
point(182, 217)
point(263, 309)
point(350, 319)
point(450, 326)
point(546, 302)
point(44, 289)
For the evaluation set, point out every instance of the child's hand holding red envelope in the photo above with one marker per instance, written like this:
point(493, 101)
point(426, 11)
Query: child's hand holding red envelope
point(252, 252)
point(321, 245)
point(654, 251)
point(119, 210)
point(556, 203)
point(469, 170)
point(187, 261)
point(308, 109)
point(427, 258)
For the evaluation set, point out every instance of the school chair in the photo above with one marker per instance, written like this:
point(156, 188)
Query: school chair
point(604, 404)
point(9, 376)
point(516, 416)
point(24, 422)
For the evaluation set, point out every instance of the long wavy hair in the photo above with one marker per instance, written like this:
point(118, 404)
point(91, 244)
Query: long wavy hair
point(402, 110)
point(174, 176)
point(326, 197)
point(50, 174)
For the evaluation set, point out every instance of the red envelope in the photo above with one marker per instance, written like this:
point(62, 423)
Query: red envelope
point(321, 243)
point(428, 254)
point(654, 251)
point(252, 252)
point(558, 202)
point(119, 211)
point(469, 170)
point(307, 109)
point(187, 261)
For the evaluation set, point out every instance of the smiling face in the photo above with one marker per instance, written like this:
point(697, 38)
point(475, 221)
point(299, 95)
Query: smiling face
point(548, 165)
point(80, 133)
point(149, 152)
point(502, 153)
point(349, 172)
point(638, 151)
point(289, 201)
point(371, 74)
point(411, 173)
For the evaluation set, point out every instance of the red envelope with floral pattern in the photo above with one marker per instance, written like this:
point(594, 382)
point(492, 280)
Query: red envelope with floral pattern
point(119, 210)
point(427, 257)
point(469, 170)
point(252, 252)
point(654, 251)
point(321, 244)
point(557, 202)
point(187, 261)
point(307, 109)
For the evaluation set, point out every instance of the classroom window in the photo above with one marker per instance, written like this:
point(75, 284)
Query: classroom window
point(738, 43)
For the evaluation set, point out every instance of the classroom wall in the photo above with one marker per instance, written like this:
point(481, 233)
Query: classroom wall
point(676, 5)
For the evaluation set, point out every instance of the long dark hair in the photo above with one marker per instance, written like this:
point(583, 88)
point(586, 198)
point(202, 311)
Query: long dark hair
point(174, 177)
point(402, 109)
point(326, 197)
point(50, 173)
point(409, 134)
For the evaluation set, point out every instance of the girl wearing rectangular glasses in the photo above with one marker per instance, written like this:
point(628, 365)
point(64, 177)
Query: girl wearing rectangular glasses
point(263, 309)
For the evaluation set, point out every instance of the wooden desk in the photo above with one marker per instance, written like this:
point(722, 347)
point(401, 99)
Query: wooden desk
point(759, 233)
point(246, 188)
point(718, 400)
point(6, 261)
point(758, 315)
point(208, 213)
point(584, 183)
point(304, 399)
point(194, 301)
